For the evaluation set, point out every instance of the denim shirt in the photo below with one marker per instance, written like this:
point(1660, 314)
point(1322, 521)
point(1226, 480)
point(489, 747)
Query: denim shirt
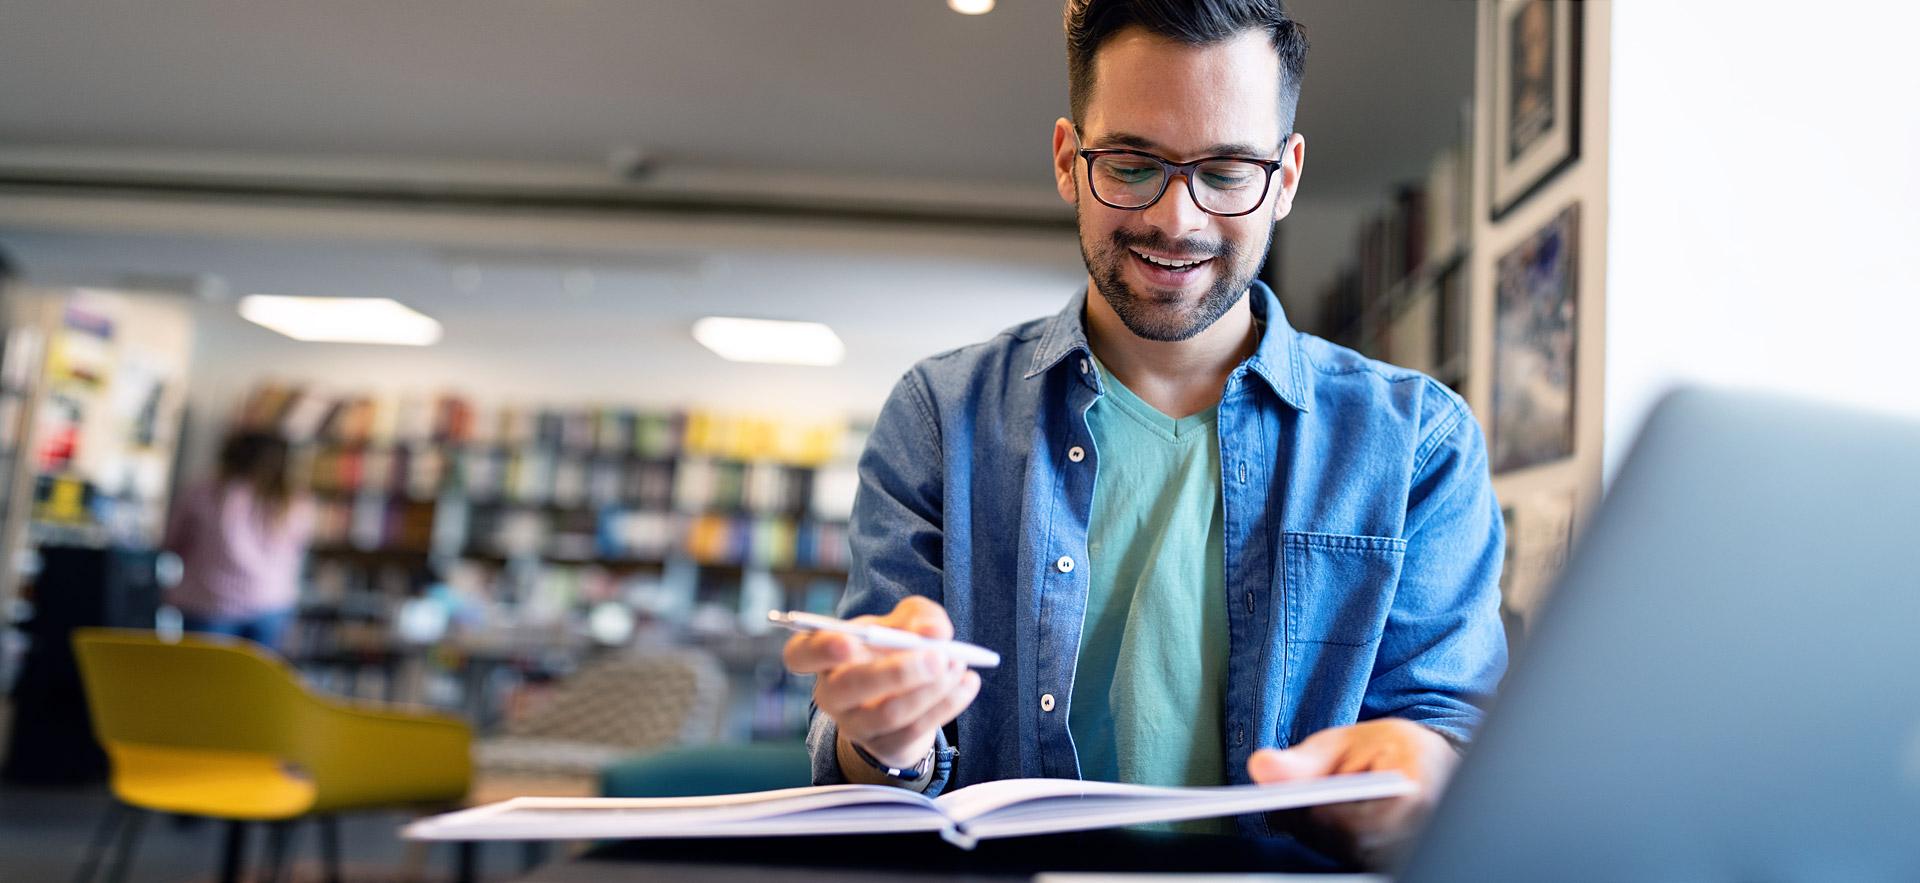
point(1363, 542)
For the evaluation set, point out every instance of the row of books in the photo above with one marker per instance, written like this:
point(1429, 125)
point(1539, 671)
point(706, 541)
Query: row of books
point(614, 535)
point(537, 477)
point(774, 542)
point(374, 524)
point(481, 596)
point(530, 475)
point(1414, 240)
point(721, 485)
point(304, 414)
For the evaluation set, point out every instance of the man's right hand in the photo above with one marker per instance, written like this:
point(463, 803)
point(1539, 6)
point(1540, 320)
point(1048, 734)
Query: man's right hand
point(890, 702)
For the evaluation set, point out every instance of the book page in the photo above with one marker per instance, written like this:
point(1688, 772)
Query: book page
point(841, 794)
point(1107, 806)
point(990, 809)
point(821, 809)
point(975, 801)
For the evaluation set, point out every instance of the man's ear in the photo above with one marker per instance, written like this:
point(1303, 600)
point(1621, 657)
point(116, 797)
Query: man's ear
point(1063, 160)
point(1288, 179)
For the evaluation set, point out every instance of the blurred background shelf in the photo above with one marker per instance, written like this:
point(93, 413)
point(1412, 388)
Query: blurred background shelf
point(467, 558)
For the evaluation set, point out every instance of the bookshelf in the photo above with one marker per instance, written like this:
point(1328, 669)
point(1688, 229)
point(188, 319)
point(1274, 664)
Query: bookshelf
point(92, 384)
point(1403, 295)
point(519, 528)
point(92, 391)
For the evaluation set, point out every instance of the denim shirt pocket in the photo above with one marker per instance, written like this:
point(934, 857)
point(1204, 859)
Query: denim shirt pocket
point(1340, 586)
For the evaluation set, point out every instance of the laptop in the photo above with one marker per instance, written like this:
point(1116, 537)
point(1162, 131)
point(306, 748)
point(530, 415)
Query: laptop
point(1725, 685)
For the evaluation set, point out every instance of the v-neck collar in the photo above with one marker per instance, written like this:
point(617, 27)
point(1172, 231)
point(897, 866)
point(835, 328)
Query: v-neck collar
point(1173, 429)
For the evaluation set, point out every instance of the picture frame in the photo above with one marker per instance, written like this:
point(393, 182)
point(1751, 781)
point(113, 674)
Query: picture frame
point(1534, 110)
point(1539, 530)
point(1536, 347)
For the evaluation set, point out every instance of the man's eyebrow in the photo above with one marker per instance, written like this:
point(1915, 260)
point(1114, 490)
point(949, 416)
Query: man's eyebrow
point(1141, 142)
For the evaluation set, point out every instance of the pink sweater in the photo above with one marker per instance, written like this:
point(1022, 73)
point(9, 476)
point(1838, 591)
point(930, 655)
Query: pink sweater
point(238, 562)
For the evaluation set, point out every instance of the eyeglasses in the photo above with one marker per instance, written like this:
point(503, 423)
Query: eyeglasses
point(1133, 180)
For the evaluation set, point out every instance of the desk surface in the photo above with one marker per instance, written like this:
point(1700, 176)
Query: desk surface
point(877, 857)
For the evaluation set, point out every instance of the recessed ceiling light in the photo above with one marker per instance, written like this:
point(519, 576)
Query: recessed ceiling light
point(971, 7)
point(341, 319)
point(771, 341)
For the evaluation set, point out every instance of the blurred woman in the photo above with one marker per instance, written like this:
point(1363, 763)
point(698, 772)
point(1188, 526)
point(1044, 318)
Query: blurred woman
point(241, 539)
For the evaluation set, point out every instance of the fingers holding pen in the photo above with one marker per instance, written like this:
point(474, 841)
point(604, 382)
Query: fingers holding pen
point(945, 706)
point(921, 616)
point(847, 687)
point(951, 701)
point(902, 711)
point(816, 652)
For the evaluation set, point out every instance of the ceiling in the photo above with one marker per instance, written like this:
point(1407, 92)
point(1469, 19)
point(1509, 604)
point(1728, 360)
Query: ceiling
point(886, 88)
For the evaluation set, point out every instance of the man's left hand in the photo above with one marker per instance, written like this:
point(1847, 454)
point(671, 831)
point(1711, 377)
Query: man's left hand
point(1393, 744)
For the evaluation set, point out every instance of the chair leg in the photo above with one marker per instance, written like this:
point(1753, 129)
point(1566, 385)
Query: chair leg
point(110, 823)
point(533, 854)
point(466, 861)
point(330, 847)
point(233, 861)
point(277, 835)
point(129, 838)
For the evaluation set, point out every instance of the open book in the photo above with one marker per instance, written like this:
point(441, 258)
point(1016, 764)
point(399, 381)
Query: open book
point(1007, 808)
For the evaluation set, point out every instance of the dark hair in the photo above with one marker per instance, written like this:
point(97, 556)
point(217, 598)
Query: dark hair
point(1193, 22)
point(259, 461)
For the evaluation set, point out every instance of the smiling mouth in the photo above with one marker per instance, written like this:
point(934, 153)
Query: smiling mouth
point(1170, 265)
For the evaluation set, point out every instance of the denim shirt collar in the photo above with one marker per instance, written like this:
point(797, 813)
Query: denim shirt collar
point(1277, 359)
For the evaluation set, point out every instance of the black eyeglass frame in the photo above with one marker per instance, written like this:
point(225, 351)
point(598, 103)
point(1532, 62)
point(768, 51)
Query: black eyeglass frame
point(1169, 168)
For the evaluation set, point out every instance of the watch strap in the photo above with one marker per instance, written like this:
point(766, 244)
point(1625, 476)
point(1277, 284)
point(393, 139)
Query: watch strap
point(905, 774)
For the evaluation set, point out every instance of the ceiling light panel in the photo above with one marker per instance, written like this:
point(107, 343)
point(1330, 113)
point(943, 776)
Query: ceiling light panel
point(375, 320)
point(770, 341)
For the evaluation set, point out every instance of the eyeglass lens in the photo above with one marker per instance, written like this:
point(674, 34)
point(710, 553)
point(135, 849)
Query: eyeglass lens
point(1224, 186)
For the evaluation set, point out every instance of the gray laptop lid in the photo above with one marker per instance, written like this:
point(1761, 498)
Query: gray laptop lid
point(1726, 683)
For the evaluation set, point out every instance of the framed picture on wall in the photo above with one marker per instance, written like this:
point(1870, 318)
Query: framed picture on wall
point(1536, 96)
point(1539, 530)
point(1534, 344)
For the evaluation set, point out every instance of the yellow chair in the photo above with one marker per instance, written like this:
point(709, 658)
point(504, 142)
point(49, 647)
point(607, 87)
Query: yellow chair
point(220, 727)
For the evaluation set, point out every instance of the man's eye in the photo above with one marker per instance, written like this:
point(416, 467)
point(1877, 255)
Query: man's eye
point(1133, 174)
point(1226, 182)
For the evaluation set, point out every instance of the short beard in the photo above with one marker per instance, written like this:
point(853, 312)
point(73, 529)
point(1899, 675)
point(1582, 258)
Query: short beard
point(1235, 273)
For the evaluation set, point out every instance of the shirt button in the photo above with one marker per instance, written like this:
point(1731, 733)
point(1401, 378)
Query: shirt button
point(1046, 702)
point(1076, 453)
point(1064, 565)
point(1083, 366)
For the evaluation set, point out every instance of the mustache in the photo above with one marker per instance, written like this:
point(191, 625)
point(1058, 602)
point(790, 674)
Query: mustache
point(1156, 241)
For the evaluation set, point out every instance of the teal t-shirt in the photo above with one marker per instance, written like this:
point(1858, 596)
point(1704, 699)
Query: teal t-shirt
point(1150, 681)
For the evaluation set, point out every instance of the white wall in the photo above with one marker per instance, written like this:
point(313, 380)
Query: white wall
point(1765, 227)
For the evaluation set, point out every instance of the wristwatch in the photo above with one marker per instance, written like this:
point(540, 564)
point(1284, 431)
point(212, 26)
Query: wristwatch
point(904, 774)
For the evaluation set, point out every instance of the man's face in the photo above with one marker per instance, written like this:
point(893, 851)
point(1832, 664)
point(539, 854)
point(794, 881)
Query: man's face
point(1180, 103)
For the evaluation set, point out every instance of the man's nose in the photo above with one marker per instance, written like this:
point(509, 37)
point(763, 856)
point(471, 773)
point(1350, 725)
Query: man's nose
point(1176, 214)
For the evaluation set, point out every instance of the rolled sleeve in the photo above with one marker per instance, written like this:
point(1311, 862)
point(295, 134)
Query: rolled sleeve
point(1444, 649)
point(896, 544)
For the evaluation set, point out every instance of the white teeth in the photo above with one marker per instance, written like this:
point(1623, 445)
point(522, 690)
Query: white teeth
point(1166, 263)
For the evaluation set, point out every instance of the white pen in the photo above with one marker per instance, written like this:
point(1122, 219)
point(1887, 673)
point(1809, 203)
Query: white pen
point(880, 636)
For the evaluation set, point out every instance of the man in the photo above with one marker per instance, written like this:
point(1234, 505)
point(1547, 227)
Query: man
point(1209, 548)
